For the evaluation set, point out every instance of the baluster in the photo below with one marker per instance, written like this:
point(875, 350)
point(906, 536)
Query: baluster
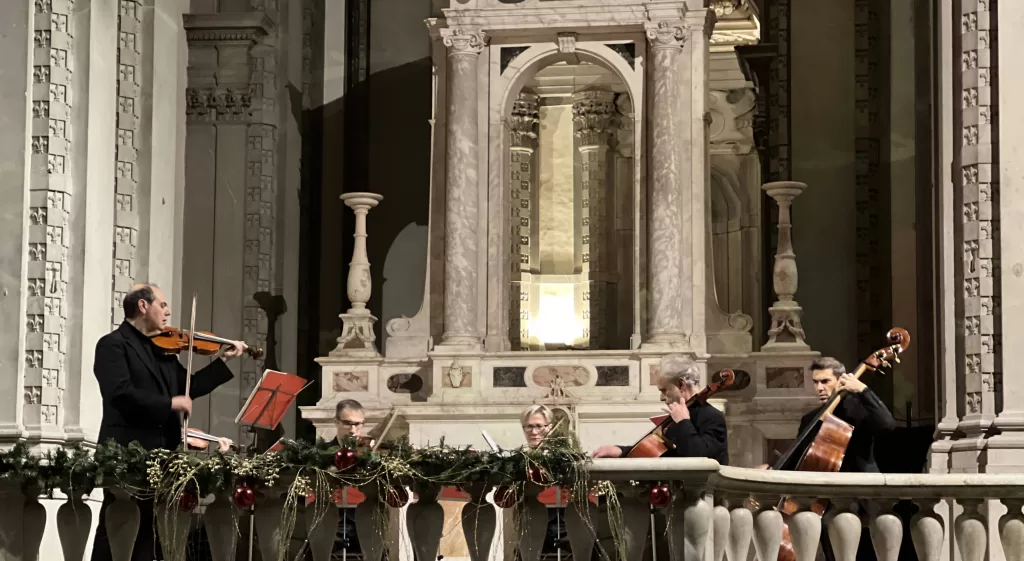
point(636, 522)
point(371, 520)
point(172, 525)
point(580, 524)
point(741, 531)
point(927, 531)
point(74, 522)
point(267, 522)
point(10, 520)
point(122, 523)
point(33, 525)
point(533, 524)
point(721, 523)
point(844, 531)
point(322, 527)
point(425, 521)
point(886, 531)
point(805, 530)
point(767, 530)
point(479, 521)
point(221, 520)
point(695, 514)
point(971, 535)
point(1011, 530)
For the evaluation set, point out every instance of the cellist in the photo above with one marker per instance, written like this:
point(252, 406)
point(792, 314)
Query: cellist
point(862, 409)
point(698, 431)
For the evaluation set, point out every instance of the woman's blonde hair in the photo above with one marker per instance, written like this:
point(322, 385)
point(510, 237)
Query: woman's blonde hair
point(541, 410)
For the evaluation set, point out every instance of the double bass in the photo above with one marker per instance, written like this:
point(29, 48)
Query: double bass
point(824, 441)
point(655, 443)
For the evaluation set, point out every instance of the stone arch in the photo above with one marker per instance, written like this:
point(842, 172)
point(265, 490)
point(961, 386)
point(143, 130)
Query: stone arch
point(505, 88)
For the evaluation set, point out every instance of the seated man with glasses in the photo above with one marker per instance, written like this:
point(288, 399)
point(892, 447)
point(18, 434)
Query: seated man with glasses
point(348, 420)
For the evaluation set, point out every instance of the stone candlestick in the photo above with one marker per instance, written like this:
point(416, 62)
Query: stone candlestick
point(786, 332)
point(357, 338)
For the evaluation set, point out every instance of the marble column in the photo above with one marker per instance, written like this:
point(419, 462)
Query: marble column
point(593, 114)
point(667, 176)
point(462, 209)
point(522, 143)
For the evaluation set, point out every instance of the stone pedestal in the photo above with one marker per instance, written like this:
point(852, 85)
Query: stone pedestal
point(357, 338)
point(786, 332)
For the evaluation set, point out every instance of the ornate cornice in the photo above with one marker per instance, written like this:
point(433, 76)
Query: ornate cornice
point(228, 28)
point(666, 34)
point(219, 104)
point(738, 23)
point(463, 40)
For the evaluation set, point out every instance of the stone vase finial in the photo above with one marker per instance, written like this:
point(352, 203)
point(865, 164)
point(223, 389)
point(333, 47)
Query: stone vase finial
point(357, 338)
point(786, 332)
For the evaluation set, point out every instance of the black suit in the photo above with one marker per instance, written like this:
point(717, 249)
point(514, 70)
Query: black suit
point(869, 417)
point(703, 435)
point(137, 382)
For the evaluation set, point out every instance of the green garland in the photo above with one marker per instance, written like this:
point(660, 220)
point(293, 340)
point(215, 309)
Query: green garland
point(167, 473)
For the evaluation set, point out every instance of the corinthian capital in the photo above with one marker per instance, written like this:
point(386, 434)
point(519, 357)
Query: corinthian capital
point(593, 113)
point(463, 41)
point(666, 34)
point(522, 123)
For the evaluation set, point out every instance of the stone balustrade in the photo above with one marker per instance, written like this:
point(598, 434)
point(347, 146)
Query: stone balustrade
point(710, 513)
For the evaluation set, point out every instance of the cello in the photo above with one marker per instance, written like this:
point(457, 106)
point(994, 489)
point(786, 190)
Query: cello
point(655, 443)
point(825, 439)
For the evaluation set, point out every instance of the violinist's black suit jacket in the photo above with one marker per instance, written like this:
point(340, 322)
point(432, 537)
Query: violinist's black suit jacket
point(869, 417)
point(137, 381)
point(703, 435)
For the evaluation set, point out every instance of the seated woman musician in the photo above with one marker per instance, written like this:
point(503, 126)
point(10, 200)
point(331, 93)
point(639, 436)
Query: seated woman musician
point(697, 431)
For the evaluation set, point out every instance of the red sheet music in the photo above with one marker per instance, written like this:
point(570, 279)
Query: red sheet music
point(270, 399)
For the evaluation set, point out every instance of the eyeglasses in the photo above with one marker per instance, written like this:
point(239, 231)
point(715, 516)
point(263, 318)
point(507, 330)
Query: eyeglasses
point(351, 423)
point(534, 427)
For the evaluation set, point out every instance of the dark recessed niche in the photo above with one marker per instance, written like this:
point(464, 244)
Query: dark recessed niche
point(509, 377)
point(405, 383)
point(612, 375)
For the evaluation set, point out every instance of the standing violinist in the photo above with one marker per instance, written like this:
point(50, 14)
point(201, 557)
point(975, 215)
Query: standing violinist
point(143, 392)
point(697, 431)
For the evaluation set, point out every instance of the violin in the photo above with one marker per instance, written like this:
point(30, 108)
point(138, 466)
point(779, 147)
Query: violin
point(198, 440)
point(173, 341)
point(825, 439)
point(655, 443)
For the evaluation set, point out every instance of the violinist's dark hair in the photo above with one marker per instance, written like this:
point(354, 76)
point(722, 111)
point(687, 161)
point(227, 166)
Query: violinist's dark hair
point(829, 363)
point(132, 299)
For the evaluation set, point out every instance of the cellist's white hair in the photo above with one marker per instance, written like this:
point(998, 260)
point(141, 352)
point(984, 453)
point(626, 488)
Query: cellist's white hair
point(680, 370)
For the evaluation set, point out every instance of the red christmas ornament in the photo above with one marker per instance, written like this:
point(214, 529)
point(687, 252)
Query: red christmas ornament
point(396, 497)
point(244, 497)
point(536, 474)
point(344, 459)
point(188, 501)
point(505, 497)
point(661, 495)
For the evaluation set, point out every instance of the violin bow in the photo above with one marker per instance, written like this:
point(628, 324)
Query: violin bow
point(188, 372)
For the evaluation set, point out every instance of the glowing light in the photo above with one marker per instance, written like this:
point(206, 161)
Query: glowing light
point(556, 321)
